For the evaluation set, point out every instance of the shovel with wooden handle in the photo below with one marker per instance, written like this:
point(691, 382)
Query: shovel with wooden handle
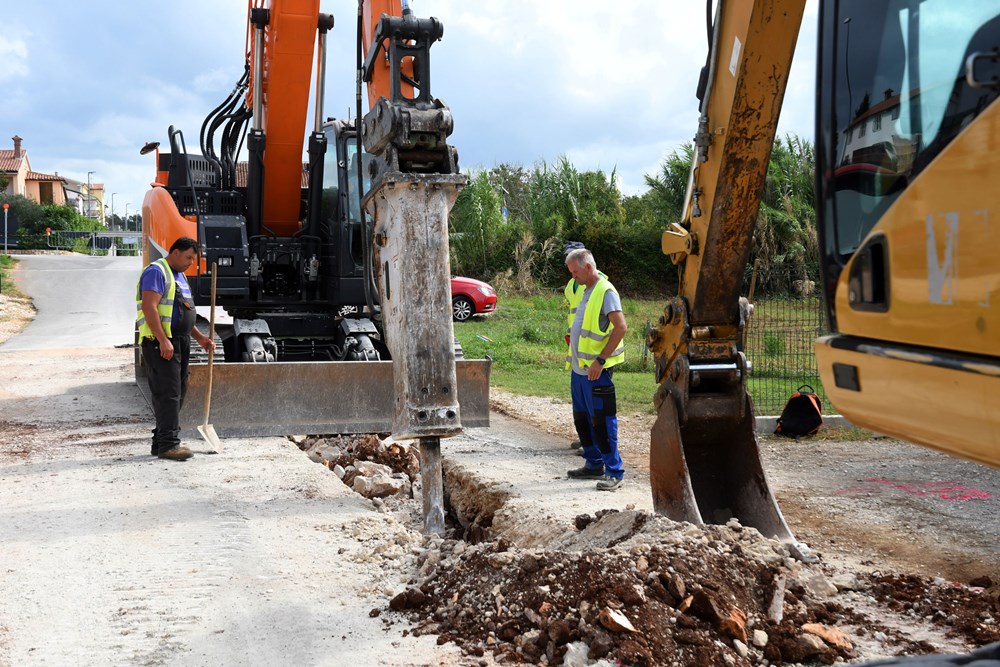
point(206, 430)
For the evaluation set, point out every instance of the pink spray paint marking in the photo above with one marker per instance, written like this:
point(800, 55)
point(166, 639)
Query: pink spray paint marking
point(951, 491)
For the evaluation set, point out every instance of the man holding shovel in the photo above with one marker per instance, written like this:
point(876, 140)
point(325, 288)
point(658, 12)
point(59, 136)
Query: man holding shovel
point(165, 318)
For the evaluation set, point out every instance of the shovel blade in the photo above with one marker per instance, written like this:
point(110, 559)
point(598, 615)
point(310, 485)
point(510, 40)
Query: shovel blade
point(208, 434)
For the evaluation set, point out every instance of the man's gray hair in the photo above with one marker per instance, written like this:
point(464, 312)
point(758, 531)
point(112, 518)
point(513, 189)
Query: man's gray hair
point(582, 257)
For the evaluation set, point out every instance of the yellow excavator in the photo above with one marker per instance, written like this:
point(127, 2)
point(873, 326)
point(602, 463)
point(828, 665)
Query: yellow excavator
point(906, 150)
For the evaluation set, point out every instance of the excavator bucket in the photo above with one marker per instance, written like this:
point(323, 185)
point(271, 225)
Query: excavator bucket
point(313, 397)
point(709, 470)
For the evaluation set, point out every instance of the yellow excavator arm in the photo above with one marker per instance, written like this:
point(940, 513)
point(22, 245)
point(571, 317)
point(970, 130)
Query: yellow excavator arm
point(704, 461)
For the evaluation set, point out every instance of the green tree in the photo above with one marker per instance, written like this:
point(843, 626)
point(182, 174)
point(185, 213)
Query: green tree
point(668, 188)
point(786, 248)
point(476, 230)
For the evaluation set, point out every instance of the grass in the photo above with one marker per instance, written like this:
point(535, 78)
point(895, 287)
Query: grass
point(6, 282)
point(526, 340)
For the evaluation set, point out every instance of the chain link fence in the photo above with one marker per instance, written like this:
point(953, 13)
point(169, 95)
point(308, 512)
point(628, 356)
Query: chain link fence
point(787, 319)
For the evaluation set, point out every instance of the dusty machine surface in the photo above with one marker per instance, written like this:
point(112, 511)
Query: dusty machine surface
point(334, 327)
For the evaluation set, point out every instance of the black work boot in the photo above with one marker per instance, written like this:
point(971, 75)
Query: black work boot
point(586, 473)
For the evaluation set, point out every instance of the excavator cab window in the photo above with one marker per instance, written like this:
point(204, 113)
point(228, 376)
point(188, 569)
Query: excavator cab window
point(353, 197)
point(894, 93)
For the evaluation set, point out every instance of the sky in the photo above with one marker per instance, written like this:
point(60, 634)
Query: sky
point(609, 85)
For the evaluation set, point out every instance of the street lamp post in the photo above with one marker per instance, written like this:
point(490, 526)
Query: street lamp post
point(113, 206)
point(126, 215)
point(90, 199)
point(5, 207)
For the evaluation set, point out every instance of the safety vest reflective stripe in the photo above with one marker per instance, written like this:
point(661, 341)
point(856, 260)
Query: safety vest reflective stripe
point(592, 337)
point(165, 308)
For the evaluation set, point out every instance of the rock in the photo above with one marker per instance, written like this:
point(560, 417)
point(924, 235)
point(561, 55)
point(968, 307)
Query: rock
point(615, 620)
point(499, 561)
point(641, 564)
point(369, 468)
point(817, 584)
point(339, 471)
point(706, 606)
point(634, 595)
point(411, 598)
point(831, 636)
point(811, 645)
point(776, 610)
point(742, 649)
point(576, 655)
point(600, 645)
point(322, 452)
point(529, 564)
point(560, 632)
point(735, 625)
point(847, 581)
point(380, 485)
point(759, 639)
point(675, 586)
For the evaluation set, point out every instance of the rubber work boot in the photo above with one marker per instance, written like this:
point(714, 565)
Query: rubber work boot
point(177, 453)
point(609, 484)
point(586, 473)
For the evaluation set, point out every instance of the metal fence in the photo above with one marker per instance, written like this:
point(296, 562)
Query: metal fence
point(780, 340)
point(94, 243)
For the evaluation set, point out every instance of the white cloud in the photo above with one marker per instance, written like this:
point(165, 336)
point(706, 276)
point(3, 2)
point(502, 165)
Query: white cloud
point(14, 56)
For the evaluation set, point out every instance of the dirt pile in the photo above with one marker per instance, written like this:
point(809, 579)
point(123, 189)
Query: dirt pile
point(628, 587)
point(668, 594)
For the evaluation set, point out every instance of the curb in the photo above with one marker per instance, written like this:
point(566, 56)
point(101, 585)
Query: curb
point(768, 424)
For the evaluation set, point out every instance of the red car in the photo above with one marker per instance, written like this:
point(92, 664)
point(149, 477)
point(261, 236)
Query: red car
point(471, 297)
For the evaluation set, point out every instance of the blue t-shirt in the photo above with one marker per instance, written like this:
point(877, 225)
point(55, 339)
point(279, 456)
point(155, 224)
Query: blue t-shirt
point(153, 280)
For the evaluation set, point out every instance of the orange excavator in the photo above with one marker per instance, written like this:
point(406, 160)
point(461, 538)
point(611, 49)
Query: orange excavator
point(334, 273)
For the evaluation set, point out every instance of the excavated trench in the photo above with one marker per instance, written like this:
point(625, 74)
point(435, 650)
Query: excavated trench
point(509, 585)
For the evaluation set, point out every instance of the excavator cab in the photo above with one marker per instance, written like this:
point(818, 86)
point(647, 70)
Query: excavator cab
point(906, 183)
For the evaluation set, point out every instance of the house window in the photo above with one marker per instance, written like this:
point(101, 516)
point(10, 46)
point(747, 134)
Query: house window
point(861, 128)
point(877, 123)
point(895, 112)
point(45, 193)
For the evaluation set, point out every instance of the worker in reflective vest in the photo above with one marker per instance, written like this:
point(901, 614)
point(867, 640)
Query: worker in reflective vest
point(572, 294)
point(165, 320)
point(595, 348)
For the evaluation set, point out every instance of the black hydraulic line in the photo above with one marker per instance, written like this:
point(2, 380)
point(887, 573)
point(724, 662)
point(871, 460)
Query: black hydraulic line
point(215, 118)
point(366, 239)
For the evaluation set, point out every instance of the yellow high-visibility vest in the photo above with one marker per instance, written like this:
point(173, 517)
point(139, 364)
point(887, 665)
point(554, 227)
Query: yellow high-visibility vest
point(166, 306)
point(592, 337)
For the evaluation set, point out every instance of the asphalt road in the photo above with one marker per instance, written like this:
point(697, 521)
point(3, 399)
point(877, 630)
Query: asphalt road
point(82, 301)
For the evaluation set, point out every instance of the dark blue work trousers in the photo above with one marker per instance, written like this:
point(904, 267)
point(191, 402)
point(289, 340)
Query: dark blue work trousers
point(595, 415)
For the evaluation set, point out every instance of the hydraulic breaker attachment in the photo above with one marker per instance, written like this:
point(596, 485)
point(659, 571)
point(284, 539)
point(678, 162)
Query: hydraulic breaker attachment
point(410, 225)
point(415, 182)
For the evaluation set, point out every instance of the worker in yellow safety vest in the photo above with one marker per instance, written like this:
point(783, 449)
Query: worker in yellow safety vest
point(165, 319)
point(596, 331)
